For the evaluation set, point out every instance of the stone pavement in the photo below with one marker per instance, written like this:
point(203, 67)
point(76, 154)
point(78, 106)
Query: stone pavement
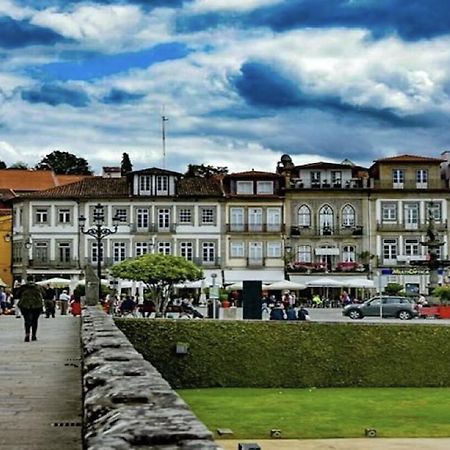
point(40, 385)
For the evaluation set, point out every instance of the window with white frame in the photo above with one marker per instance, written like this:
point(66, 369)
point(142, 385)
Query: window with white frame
point(274, 249)
point(422, 176)
point(208, 252)
point(398, 176)
point(64, 215)
point(185, 216)
point(304, 216)
point(164, 248)
point(255, 219)
point(336, 176)
point(315, 177)
point(273, 219)
point(237, 219)
point(163, 218)
point(412, 247)
point(145, 184)
point(208, 216)
point(304, 253)
point(119, 251)
point(348, 253)
point(121, 214)
point(244, 187)
point(41, 253)
point(435, 208)
point(348, 216)
point(142, 218)
point(389, 249)
point(141, 248)
point(64, 252)
point(237, 249)
point(389, 212)
point(95, 253)
point(187, 250)
point(264, 187)
point(162, 184)
point(41, 215)
point(326, 219)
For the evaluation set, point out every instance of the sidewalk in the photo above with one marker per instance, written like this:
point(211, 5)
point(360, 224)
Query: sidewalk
point(40, 385)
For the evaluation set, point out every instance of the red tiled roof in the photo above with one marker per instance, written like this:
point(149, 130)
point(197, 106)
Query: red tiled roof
point(409, 159)
point(198, 186)
point(253, 174)
point(27, 180)
point(66, 179)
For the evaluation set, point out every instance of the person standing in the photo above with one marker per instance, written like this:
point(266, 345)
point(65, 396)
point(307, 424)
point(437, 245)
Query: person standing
point(30, 304)
point(64, 302)
point(49, 301)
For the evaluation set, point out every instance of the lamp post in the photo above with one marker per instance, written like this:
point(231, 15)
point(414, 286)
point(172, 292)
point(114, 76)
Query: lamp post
point(213, 293)
point(98, 231)
point(287, 248)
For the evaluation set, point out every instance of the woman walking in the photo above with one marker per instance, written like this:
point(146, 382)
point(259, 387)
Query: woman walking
point(30, 304)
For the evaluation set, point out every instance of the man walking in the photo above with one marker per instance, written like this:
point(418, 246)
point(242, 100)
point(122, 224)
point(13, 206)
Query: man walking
point(49, 301)
point(30, 304)
point(64, 302)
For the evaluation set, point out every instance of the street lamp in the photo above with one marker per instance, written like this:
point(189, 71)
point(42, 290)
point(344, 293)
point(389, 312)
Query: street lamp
point(287, 255)
point(98, 231)
point(214, 294)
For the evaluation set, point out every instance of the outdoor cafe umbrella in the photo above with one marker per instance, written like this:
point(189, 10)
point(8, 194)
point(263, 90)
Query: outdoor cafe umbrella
point(359, 283)
point(325, 282)
point(55, 282)
point(285, 285)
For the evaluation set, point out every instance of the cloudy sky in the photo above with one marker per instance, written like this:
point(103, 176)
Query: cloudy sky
point(241, 81)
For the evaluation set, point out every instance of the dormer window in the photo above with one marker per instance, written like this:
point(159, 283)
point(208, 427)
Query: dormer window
point(398, 178)
point(162, 185)
point(315, 178)
point(264, 187)
point(144, 184)
point(244, 187)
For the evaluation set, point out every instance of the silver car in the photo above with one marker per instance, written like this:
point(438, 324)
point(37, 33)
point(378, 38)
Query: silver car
point(392, 306)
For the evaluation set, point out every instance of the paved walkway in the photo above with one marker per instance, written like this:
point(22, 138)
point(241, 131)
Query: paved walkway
point(40, 385)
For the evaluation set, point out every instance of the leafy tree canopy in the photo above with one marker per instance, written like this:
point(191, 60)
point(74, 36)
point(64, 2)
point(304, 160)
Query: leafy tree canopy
point(19, 165)
point(159, 272)
point(64, 163)
point(125, 165)
point(2, 165)
point(200, 170)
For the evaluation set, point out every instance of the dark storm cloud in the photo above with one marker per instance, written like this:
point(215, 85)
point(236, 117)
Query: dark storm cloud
point(262, 86)
point(119, 97)
point(412, 19)
point(20, 33)
point(55, 95)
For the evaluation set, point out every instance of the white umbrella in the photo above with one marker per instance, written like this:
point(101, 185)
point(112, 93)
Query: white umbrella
point(190, 284)
point(103, 281)
point(359, 283)
point(2, 283)
point(239, 286)
point(325, 282)
point(55, 282)
point(285, 284)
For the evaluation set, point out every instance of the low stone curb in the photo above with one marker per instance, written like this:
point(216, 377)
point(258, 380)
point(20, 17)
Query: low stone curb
point(126, 402)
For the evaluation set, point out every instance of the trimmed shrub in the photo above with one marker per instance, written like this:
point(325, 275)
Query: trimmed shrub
point(292, 354)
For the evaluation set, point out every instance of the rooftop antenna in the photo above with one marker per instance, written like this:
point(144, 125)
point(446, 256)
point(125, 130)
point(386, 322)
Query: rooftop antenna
point(164, 119)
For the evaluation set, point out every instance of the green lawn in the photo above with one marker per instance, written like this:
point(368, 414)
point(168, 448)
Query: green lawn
point(323, 413)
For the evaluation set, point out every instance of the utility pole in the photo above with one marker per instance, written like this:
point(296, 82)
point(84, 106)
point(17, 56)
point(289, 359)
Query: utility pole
point(164, 119)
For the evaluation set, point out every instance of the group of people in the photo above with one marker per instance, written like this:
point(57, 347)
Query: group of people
point(286, 309)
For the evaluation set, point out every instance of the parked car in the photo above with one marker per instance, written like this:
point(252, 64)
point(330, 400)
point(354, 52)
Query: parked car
point(392, 306)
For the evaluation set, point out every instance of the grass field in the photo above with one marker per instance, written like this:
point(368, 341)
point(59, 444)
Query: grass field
point(323, 413)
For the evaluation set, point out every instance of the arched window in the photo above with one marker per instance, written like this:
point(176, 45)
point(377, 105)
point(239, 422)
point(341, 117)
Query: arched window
point(348, 216)
point(326, 220)
point(304, 216)
point(348, 253)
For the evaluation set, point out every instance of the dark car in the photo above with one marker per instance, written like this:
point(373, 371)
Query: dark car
point(392, 306)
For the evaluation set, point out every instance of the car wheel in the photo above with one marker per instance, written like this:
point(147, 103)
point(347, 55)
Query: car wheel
point(355, 314)
point(404, 315)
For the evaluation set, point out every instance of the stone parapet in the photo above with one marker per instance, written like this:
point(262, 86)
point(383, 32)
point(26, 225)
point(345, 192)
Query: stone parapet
point(127, 404)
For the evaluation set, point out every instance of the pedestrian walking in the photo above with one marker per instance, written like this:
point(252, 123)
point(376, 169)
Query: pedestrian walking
point(49, 301)
point(30, 304)
point(64, 302)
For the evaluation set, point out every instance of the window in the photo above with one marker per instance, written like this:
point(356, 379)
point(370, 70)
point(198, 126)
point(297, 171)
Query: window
point(255, 253)
point(236, 249)
point(63, 215)
point(255, 219)
point(304, 216)
point(162, 184)
point(208, 216)
point(412, 247)
point(411, 215)
point(41, 252)
point(145, 184)
point(348, 216)
point(41, 215)
point(164, 248)
point(244, 187)
point(237, 219)
point(435, 208)
point(326, 219)
point(336, 177)
point(141, 248)
point(398, 176)
point(389, 249)
point(95, 253)
point(119, 251)
point(421, 176)
point(348, 253)
point(315, 177)
point(274, 249)
point(142, 218)
point(121, 214)
point(185, 215)
point(389, 212)
point(163, 218)
point(208, 252)
point(187, 250)
point(304, 253)
point(264, 187)
point(64, 253)
point(273, 219)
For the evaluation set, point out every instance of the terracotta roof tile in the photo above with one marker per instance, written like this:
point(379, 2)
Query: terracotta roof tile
point(27, 180)
point(409, 158)
point(66, 179)
point(253, 174)
point(198, 186)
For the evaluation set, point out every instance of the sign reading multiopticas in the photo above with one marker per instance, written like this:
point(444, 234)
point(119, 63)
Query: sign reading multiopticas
point(409, 271)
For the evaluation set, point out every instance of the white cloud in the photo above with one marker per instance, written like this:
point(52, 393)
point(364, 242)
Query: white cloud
point(8, 8)
point(204, 6)
point(9, 154)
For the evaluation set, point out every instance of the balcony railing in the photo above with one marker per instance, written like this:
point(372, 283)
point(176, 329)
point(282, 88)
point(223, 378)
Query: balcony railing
point(356, 230)
point(431, 184)
point(201, 262)
point(419, 226)
point(152, 228)
point(51, 264)
point(353, 183)
point(255, 228)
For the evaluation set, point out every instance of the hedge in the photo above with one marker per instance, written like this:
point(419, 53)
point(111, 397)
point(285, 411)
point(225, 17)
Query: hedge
point(293, 354)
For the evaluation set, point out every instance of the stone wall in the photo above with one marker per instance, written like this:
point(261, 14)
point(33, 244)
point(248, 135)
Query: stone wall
point(127, 404)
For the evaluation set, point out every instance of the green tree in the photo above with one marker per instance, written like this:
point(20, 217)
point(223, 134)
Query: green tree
point(125, 165)
point(393, 289)
point(2, 165)
point(442, 293)
point(19, 165)
point(159, 273)
point(200, 170)
point(64, 163)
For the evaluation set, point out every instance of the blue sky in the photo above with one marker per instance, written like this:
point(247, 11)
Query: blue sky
point(241, 81)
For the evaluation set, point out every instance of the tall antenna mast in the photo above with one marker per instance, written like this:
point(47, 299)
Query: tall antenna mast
point(164, 119)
